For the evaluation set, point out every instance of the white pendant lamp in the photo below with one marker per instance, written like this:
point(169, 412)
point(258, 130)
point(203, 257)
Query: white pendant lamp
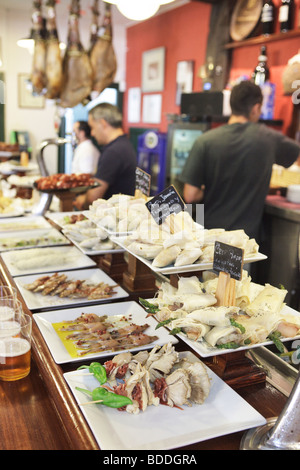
point(138, 10)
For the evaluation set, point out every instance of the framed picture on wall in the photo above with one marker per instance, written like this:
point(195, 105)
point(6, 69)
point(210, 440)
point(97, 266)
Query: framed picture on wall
point(152, 108)
point(184, 78)
point(153, 70)
point(25, 97)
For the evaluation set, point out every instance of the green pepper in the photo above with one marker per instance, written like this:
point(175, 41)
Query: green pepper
point(230, 345)
point(275, 338)
point(104, 397)
point(237, 325)
point(164, 322)
point(175, 331)
point(98, 370)
point(150, 308)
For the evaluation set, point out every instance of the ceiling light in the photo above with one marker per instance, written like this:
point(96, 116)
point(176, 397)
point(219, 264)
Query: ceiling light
point(138, 9)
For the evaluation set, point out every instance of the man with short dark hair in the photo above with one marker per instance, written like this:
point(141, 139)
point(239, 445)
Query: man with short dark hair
point(229, 168)
point(117, 165)
point(86, 154)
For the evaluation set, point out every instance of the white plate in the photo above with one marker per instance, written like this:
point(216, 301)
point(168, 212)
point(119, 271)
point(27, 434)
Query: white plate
point(75, 260)
point(59, 352)
point(89, 252)
point(161, 427)
point(205, 350)
point(24, 223)
point(55, 238)
point(14, 213)
point(37, 301)
point(180, 269)
point(58, 217)
point(110, 233)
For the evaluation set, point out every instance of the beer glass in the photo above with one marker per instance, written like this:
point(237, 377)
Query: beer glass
point(8, 292)
point(15, 346)
point(10, 307)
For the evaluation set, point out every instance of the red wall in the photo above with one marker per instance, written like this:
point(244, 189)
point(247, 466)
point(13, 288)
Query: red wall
point(183, 32)
point(244, 59)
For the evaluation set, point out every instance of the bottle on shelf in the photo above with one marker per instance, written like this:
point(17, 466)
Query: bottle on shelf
point(261, 73)
point(286, 15)
point(267, 17)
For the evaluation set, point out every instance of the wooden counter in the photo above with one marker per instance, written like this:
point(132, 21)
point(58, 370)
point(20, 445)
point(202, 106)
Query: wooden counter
point(40, 413)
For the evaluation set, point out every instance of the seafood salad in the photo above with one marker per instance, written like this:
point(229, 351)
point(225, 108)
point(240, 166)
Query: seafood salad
point(91, 333)
point(257, 316)
point(59, 284)
point(159, 376)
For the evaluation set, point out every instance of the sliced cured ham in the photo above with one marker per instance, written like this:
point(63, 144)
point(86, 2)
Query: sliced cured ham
point(38, 75)
point(54, 69)
point(103, 57)
point(77, 70)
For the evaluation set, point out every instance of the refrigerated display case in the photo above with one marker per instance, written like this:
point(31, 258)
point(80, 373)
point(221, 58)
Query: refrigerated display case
point(151, 157)
point(180, 139)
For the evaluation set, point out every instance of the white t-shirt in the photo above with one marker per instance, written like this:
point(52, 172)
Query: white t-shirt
point(85, 159)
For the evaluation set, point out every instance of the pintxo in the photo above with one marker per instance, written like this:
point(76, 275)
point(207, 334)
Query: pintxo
point(228, 261)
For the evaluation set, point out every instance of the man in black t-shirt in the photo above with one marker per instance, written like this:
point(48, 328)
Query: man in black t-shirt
point(117, 164)
point(229, 168)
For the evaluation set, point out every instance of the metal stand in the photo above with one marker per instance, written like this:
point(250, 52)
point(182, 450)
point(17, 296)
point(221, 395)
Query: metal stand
point(280, 434)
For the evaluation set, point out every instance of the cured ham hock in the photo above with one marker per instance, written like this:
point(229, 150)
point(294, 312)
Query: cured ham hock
point(38, 75)
point(77, 70)
point(54, 70)
point(103, 59)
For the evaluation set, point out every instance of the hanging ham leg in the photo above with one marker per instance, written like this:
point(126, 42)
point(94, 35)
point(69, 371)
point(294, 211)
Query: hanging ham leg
point(94, 24)
point(77, 70)
point(103, 57)
point(54, 72)
point(38, 76)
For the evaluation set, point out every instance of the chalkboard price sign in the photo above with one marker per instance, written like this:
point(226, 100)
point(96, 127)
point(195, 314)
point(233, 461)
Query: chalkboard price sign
point(142, 181)
point(228, 259)
point(164, 204)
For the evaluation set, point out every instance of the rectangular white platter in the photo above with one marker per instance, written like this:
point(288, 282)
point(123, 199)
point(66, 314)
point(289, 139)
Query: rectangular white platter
point(161, 427)
point(90, 252)
point(181, 269)
point(34, 238)
point(37, 301)
point(24, 223)
point(68, 257)
point(59, 217)
point(59, 352)
point(205, 350)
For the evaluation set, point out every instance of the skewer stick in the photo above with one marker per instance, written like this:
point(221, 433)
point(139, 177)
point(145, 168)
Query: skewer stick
point(173, 225)
point(225, 292)
point(139, 194)
point(90, 402)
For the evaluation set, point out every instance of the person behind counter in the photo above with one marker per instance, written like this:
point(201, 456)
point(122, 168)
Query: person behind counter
point(229, 168)
point(86, 154)
point(117, 164)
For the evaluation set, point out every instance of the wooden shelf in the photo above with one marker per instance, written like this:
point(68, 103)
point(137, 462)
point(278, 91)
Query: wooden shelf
point(263, 39)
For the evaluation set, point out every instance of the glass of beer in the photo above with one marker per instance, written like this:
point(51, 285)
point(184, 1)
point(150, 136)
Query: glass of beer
point(15, 346)
point(8, 292)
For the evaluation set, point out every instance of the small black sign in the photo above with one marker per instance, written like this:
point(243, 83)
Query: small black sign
point(228, 259)
point(142, 181)
point(164, 204)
